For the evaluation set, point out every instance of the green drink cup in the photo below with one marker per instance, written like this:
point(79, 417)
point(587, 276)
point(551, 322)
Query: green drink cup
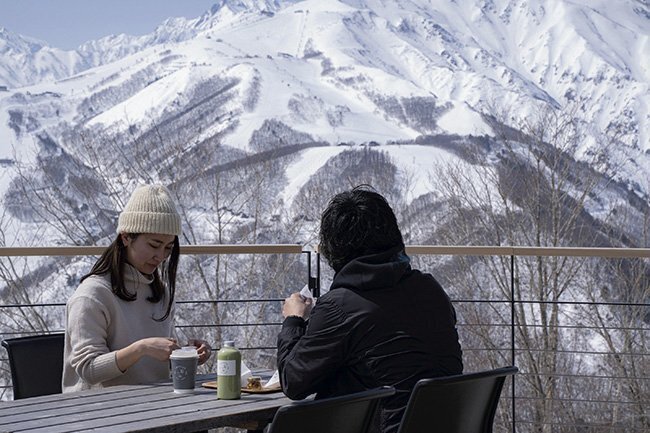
point(228, 372)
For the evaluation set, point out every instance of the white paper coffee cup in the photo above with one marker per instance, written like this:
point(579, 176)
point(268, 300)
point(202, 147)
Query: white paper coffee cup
point(183, 364)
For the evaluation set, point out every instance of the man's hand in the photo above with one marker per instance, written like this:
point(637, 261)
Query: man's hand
point(297, 305)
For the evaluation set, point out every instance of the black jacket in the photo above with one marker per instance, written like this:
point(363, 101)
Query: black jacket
point(381, 323)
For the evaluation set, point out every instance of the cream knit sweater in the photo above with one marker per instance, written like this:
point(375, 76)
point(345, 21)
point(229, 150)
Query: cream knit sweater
point(99, 323)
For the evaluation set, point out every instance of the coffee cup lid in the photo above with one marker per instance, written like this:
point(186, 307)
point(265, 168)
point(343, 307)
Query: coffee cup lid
point(185, 352)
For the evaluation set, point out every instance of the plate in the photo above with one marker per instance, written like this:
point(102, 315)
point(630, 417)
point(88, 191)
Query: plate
point(274, 388)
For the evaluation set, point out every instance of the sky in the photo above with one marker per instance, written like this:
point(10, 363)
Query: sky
point(68, 23)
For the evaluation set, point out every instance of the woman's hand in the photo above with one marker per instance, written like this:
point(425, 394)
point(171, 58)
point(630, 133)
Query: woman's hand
point(156, 347)
point(202, 348)
point(297, 305)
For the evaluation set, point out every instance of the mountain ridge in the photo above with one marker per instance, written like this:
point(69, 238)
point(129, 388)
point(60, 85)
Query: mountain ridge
point(357, 72)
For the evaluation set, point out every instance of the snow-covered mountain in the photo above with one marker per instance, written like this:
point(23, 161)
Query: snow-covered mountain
point(26, 61)
point(251, 76)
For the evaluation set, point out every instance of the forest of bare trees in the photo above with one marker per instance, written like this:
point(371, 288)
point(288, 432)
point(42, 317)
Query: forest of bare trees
point(537, 195)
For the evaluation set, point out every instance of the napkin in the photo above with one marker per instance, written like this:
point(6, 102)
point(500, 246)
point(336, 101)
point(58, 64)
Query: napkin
point(274, 380)
point(245, 374)
point(305, 292)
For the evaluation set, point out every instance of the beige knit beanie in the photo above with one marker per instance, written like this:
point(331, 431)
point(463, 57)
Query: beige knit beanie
point(150, 210)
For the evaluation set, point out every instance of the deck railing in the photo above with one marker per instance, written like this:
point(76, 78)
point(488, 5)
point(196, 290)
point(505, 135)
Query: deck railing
point(583, 355)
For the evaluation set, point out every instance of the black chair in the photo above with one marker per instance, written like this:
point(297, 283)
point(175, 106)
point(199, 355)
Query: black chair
point(465, 403)
point(351, 413)
point(36, 364)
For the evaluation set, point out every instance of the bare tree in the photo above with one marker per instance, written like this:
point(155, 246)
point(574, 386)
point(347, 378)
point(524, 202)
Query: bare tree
point(620, 316)
point(77, 198)
point(536, 192)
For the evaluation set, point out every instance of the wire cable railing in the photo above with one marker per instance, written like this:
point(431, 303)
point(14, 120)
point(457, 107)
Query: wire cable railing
point(525, 402)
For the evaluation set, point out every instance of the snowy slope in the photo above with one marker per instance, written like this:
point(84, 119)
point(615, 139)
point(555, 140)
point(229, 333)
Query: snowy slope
point(353, 71)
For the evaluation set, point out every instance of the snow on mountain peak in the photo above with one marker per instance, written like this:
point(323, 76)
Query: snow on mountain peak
point(12, 43)
point(237, 6)
point(377, 70)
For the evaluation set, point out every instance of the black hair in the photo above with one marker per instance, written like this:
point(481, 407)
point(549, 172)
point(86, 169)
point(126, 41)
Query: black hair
point(356, 223)
point(113, 260)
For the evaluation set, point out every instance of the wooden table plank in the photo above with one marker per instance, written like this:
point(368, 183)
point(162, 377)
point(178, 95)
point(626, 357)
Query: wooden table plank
point(71, 403)
point(127, 409)
point(103, 394)
point(76, 407)
point(195, 415)
point(146, 408)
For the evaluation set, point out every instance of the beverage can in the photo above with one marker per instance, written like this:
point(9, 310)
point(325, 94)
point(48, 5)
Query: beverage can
point(228, 372)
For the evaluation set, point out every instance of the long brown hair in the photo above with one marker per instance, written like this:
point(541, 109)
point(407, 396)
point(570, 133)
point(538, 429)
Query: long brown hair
point(112, 262)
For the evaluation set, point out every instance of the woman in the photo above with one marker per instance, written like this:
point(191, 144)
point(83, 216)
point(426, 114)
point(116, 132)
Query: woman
point(120, 320)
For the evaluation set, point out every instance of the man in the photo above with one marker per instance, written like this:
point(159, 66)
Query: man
point(381, 323)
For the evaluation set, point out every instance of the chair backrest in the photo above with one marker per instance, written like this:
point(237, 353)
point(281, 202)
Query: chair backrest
point(36, 364)
point(353, 413)
point(465, 403)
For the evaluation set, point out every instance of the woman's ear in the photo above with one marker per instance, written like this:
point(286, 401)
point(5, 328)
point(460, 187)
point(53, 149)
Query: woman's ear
point(125, 239)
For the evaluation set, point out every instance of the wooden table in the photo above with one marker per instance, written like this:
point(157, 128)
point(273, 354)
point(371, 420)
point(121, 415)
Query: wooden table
point(144, 408)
